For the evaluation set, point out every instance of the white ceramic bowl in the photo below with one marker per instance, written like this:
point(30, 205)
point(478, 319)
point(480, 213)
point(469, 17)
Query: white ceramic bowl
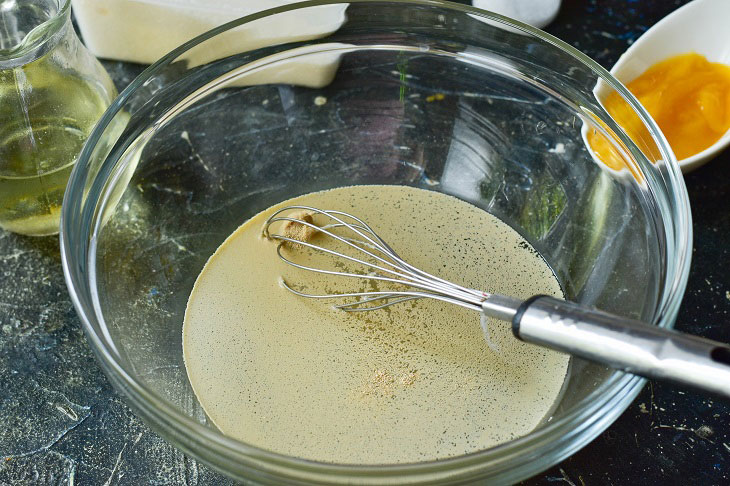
point(701, 26)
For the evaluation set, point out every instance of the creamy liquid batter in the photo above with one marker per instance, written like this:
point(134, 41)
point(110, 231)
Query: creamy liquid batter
point(412, 382)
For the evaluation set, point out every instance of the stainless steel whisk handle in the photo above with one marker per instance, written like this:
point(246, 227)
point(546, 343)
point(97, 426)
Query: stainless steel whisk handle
point(624, 344)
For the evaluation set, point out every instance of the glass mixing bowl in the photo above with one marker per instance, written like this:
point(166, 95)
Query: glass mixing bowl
point(319, 95)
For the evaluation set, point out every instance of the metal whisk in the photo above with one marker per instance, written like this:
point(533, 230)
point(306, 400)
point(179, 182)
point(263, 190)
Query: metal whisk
point(624, 344)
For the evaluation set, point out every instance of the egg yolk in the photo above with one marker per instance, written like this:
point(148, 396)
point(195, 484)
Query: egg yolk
point(688, 97)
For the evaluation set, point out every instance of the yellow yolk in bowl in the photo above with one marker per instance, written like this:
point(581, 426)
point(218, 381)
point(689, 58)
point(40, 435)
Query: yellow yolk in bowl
point(688, 97)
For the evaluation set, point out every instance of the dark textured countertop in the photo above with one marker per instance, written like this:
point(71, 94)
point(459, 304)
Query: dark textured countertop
point(62, 423)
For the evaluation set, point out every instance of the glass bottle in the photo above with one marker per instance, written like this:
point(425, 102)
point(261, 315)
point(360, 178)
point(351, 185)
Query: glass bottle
point(52, 92)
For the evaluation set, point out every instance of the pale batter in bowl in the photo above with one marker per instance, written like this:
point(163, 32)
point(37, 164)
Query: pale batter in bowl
point(413, 382)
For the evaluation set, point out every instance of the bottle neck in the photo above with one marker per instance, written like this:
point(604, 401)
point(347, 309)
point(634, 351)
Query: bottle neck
point(31, 28)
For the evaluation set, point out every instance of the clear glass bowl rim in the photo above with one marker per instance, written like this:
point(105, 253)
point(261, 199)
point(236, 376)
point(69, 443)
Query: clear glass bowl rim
point(581, 424)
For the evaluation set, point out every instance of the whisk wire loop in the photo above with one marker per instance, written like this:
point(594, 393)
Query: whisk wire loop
point(404, 279)
point(402, 263)
point(405, 273)
point(368, 276)
point(373, 296)
point(379, 245)
point(388, 266)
